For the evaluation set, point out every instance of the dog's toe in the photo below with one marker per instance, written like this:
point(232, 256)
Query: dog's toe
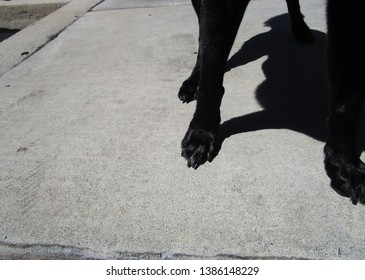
point(303, 34)
point(197, 147)
point(187, 92)
point(347, 177)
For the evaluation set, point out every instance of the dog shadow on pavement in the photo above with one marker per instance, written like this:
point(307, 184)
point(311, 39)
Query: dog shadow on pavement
point(294, 94)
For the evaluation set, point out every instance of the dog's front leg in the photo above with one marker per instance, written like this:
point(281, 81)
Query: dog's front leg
point(299, 28)
point(218, 24)
point(346, 25)
point(188, 88)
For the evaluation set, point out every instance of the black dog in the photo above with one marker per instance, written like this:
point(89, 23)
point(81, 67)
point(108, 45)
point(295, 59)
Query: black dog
point(219, 21)
point(346, 23)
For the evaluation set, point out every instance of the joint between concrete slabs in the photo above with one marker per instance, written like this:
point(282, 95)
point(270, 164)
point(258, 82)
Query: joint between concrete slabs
point(57, 251)
point(133, 4)
point(133, 8)
point(24, 44)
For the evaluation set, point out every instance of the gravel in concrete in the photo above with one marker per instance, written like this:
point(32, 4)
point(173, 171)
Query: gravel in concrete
point(91, 126)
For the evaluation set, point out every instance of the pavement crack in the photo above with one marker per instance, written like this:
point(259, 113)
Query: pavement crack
point(51, 251)
point(42, 251)
point(147, 6)
point(182, 256)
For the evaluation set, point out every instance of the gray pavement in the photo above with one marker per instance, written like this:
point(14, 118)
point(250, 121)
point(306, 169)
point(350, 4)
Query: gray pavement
point(91, 126)
point(30, 39)
point(18, 14)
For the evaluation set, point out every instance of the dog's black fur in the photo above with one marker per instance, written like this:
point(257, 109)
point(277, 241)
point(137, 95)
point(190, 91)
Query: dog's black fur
point(346, 60)
point(219, 21)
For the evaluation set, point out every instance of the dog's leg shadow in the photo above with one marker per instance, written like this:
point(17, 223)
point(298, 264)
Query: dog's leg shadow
point(247, 123)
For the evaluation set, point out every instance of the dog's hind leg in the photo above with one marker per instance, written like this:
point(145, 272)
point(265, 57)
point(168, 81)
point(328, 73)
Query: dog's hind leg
point(189, 86)
point(346, 26)
point(299, 28)
point(219, 22)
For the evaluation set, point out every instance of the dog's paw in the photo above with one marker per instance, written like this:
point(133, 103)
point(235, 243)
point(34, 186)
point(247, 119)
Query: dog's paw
point(303, 34)
point(187, 91)
point(347, 178)
point(197, 147)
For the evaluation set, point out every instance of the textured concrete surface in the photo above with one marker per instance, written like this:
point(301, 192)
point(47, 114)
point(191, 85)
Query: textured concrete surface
point(30, 39)
point(91, 126)
point(19, 14)
point(125, 4)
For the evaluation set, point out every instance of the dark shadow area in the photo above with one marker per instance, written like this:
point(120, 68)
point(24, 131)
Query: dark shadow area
point(6, 33)
point(294, 94)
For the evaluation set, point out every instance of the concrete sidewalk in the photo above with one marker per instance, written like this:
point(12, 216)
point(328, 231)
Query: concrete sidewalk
point(91, 126)
point(18, 14)
point(30, 39)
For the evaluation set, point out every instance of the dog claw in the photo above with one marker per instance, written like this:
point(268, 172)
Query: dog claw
point(187, 92)
point(197, 147)
point(347, 177)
